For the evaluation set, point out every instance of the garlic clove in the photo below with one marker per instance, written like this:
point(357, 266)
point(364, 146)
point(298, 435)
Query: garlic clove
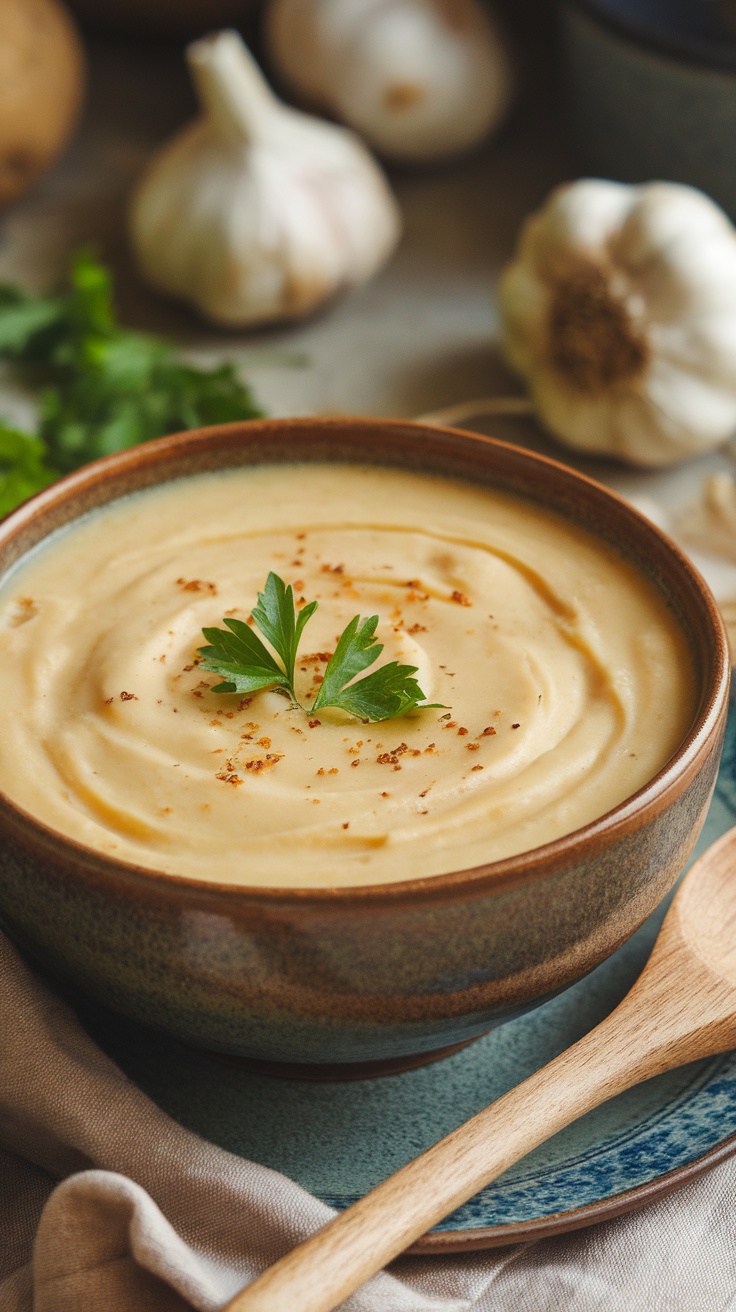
point(696, 276)
point(576, 225)
point(635, 439)
point(667, 213)
point(574, 415)
point(256, 212)
point(690, 403)
point(525, 303)
point(419, 79)
point(706, 344)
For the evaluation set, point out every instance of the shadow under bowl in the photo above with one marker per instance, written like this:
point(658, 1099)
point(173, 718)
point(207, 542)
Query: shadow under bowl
point(374, 976)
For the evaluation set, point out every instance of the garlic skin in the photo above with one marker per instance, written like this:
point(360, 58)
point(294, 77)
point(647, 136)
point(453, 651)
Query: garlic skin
point(256, 212)
point(619, 310)
point(710, 522)
point(418, 79)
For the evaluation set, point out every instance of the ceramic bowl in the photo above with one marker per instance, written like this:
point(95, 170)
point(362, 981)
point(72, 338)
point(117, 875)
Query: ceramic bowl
point(652, 87)
point(334, 980)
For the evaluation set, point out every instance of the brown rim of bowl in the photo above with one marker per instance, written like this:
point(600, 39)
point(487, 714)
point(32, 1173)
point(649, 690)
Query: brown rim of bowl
point(578, 1218)
point(508, 873)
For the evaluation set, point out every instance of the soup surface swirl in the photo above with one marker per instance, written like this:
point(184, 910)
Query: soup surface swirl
point(567, 681)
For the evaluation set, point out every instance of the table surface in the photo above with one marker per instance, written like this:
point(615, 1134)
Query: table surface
point(421, 336)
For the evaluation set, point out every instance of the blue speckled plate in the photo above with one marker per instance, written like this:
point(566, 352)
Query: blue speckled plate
point(339, 1140)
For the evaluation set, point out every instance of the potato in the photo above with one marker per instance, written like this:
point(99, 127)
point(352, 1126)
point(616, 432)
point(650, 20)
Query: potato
point(41, 84)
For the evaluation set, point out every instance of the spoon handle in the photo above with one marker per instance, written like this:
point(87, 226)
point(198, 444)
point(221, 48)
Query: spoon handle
point(322, 1271)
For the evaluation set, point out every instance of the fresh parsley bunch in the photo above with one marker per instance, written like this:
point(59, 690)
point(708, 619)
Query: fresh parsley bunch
point(246, 664)
point(104, 387)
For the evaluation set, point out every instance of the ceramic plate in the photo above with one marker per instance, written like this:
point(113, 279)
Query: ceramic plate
point(339, 1140)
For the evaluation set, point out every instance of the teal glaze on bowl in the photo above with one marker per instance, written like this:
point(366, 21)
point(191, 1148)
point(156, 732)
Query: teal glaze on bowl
point(374, 974)
point(642, 113)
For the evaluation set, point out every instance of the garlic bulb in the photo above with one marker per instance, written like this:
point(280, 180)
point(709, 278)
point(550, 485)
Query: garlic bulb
point(256, 212)
point(619, 310)
point(419, 79)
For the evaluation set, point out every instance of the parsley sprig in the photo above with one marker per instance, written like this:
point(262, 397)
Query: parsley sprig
point(102, 387)
point(246, 664)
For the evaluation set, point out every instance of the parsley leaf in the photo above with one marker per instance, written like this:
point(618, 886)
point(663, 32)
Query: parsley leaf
point(247, 665)
point(386, 694)
point(24, 318)
point(277, 618)
point(356, 650)
point(104, 387)
point(241, 658)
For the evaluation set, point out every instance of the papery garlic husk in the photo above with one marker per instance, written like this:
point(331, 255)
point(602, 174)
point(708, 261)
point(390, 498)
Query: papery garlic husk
point(710, 522)
point(419, 79)
point(619, 310)
point(256, 212)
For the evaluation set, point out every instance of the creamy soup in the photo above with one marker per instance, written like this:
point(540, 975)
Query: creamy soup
point(567, 680)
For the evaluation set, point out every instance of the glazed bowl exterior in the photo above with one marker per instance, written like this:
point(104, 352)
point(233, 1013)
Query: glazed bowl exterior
point(337, 976)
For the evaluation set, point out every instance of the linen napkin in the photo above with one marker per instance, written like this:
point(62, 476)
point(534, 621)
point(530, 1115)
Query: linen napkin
point(107, 1205)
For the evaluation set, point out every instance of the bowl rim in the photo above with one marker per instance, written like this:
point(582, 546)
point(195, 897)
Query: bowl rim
point(522, 868)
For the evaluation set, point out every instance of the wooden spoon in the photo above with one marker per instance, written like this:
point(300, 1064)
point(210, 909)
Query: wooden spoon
point(683, 1006)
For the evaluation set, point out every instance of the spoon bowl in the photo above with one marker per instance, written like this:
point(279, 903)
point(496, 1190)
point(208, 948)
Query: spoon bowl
point(706, 910)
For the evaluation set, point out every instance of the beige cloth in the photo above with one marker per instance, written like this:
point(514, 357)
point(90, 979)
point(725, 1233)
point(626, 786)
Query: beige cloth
point(106, 1205)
